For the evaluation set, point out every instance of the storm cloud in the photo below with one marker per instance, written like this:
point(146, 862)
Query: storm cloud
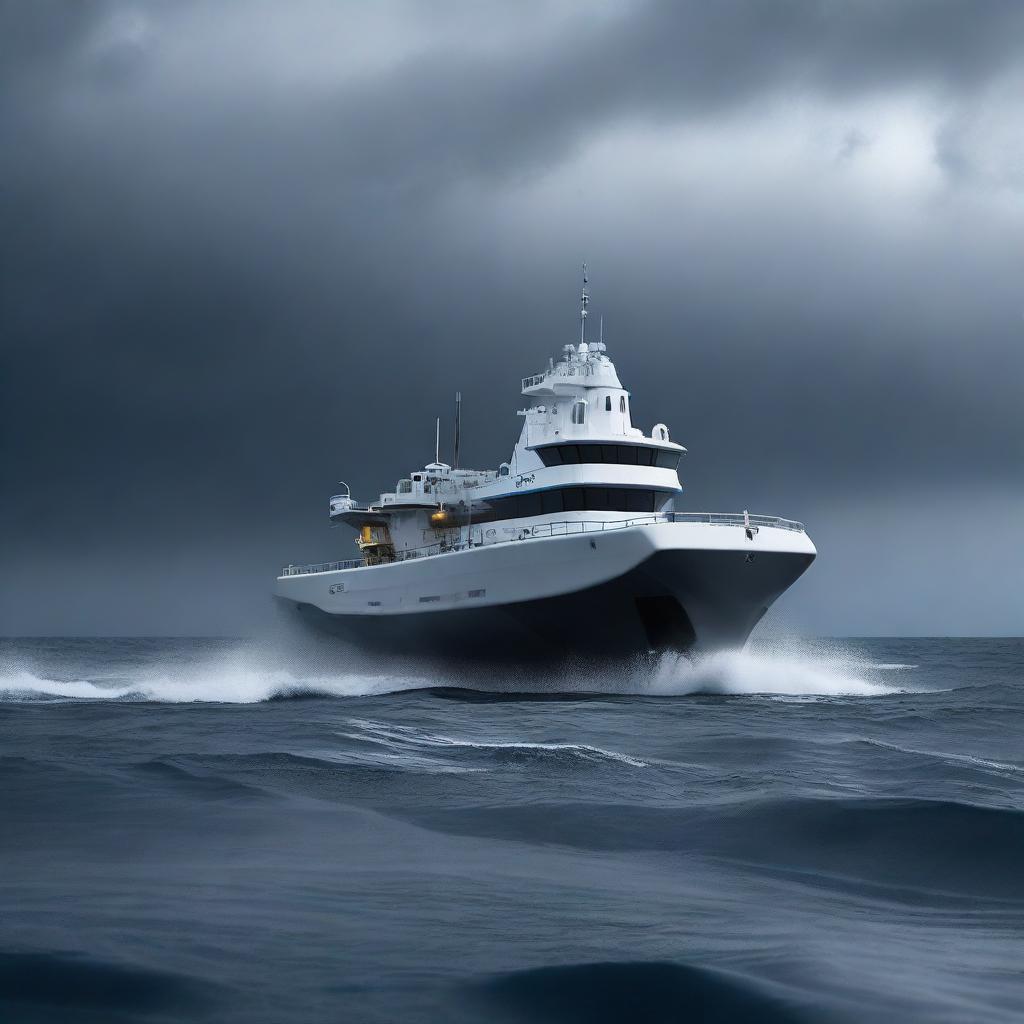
point(250, 249)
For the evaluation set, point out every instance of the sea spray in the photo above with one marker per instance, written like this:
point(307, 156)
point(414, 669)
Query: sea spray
point(754, 673)
point(252, 673)
point(240, 676)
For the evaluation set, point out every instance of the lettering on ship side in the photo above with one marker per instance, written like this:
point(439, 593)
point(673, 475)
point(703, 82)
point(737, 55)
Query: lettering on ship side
point(524, 480)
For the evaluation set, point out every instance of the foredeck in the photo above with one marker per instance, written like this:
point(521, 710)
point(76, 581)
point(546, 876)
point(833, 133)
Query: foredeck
point(562, 529)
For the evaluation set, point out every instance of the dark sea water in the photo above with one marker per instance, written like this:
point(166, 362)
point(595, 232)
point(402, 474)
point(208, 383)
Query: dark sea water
point(197, 830)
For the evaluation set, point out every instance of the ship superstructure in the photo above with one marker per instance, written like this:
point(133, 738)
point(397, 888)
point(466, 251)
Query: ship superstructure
point(572, 546)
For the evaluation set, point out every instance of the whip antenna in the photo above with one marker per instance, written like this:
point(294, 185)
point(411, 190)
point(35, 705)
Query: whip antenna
point(458, 428)
point(584, 299)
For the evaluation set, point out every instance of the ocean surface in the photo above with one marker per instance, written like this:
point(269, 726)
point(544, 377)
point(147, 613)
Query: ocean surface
point(197, 830)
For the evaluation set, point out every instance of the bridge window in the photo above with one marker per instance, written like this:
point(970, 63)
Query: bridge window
point(579, 412)
point(608, 454)
point(607, 403)
point(574, 499)
point(622, 403)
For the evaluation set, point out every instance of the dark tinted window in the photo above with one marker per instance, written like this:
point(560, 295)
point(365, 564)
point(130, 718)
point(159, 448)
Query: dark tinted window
point(528, 505)
point(639, 501)
point(613, 454)
point(572, 499)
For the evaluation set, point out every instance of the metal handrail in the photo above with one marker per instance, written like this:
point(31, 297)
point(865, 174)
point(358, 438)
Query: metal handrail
point(736, 519)
point(564, 528)
point(305, 570)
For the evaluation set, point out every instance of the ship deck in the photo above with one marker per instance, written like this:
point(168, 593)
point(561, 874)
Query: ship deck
point(561, 528)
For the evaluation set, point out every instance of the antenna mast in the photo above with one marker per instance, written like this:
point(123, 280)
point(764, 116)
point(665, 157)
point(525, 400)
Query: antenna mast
point(584, 299)
point(458, 428)
point(437, 440)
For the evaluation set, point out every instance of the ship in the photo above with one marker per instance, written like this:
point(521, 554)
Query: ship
point(575, 548)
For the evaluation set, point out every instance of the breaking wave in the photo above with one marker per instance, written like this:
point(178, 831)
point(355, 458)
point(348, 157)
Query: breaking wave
point(222, 685)
point(779, 675)
point(249, 677)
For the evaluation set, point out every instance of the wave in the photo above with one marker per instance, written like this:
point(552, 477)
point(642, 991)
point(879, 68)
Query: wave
point(398, 737)
point(255, 676)
point(220, 684)
point(641, 991)
point(939, 846)
point(195, 784)
point(61, 986)
point(747, 673)
point(940, 755)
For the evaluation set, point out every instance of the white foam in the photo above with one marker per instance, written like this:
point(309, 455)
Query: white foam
point(758, 673)
point(22, 684)
point(786, 672)
point(220, 684)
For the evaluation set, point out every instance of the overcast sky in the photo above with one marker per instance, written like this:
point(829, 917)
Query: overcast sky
point(253, 248)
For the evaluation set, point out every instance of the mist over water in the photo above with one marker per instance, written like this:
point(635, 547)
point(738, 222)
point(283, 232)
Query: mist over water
point(249, 831)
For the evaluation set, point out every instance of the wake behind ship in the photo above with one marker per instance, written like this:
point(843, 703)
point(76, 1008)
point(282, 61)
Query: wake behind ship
point(572, 548)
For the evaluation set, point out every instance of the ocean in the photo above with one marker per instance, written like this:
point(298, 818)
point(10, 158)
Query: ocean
point(196, 829)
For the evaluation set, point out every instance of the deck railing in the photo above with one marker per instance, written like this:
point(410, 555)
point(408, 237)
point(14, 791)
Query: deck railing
point(735, 519)
point(565, 528)
point(304, 570)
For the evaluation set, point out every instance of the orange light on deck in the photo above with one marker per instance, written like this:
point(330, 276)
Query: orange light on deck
point(439, 518)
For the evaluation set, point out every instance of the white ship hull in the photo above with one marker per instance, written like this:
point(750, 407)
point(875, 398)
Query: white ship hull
point(608, 590)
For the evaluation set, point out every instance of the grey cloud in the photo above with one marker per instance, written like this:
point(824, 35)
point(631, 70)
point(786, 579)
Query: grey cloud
point(455, 110)
point(853, 143)
point(222, 289)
